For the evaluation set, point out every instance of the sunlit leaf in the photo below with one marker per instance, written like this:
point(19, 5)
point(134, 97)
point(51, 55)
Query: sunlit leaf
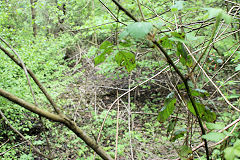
point(177, 6)
point(218, 12)
point(215, 126)
point(139, 30)
point(237, 68)
point(229, 153)
point(237, 148)
point(126, 59)
point(214, 136)
point(99, 59)
point(105, 45)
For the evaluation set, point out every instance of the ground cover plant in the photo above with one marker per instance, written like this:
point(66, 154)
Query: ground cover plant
point(126, 79)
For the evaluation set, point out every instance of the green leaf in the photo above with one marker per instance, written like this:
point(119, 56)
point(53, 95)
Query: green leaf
point(126, 43)
point(167, 110)
point(178, 134)
point(181, 86)
point(215, 126)
point(105, 48)
point(123, 34)
point(184, 151)
point(192, 38)
point(185, 59)
point(214, 136)
point(105, 45)
point(139, 30)
point(126, 59)
point(200, 108)
point(166, 43)
point(229, 153)
point(237, 148)
point(219, 13)
point(199, 92)
point(174, 39)
point(171, 126)
point(208, 115)
point(99, 59)
point(178, 37)
point(177, 6)
point(237, 68)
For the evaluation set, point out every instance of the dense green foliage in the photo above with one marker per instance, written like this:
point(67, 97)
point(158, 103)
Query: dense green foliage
point(88, 53)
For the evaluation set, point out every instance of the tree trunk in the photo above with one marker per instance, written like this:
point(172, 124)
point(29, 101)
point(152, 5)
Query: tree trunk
point(63, 9)
point(33, 11)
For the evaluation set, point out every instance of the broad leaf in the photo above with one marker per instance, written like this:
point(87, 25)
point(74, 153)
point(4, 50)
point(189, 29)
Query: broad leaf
point(139, 30)
point(215, 126)
point(99, 59)
point(123, 34)
point(166, 43)
point(208, 115)
point(167, 110)
point(237, 68)
point(219, 13)
point(105, 45)
point(229, 153)
point(184, 151)
point(105, 48)
point(191, 37)
point(126, 43)
point(214, 136)
point(200, 108)
point(126, 59)
point(199, 92)
point(178, 37)
point(185, 59)
point(177, 6)
point(237, 148)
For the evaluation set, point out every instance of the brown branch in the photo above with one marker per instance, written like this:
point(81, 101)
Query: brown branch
point(20, 134)
point(125, 11)
point(30, 106)
point(34, 78)
point(51, 116)
point(58, 118)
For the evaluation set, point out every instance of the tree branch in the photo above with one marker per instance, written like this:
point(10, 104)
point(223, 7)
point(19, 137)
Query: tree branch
point(58, 118)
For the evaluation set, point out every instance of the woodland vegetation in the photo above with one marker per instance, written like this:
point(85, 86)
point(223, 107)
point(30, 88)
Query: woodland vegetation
point(119, 79)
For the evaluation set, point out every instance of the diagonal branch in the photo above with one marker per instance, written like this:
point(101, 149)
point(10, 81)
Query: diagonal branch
point(58, 118)
point(34, 78)
point(29, 142)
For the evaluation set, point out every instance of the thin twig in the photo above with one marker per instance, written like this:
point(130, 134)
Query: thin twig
point(16, 131)
point(117, 127)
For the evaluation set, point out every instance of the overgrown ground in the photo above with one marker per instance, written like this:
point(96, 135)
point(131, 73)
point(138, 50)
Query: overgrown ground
point(120, 109)
point(92, 95)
